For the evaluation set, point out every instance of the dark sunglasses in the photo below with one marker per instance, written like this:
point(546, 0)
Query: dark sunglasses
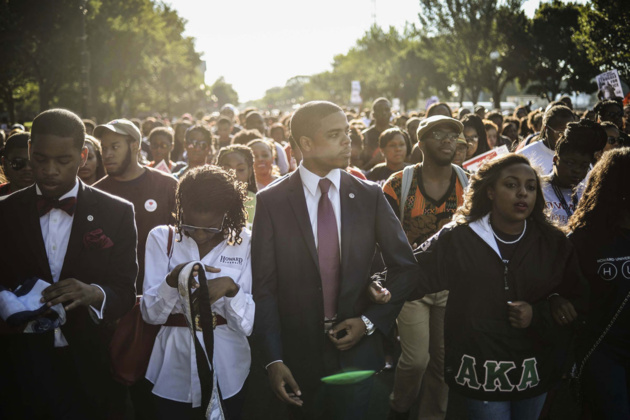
point(613, 114)
point(200, 144)
point(17, 164)
point(613, 140)
point(189, 229)
point(159, 146)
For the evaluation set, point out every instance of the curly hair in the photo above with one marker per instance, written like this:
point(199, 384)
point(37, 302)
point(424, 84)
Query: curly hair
point(606, 199)
point(477, 203)
point(247, 154)
point(211, 189)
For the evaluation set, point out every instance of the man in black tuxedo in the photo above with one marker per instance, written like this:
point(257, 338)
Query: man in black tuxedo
point(83, 242)
point(314, 236)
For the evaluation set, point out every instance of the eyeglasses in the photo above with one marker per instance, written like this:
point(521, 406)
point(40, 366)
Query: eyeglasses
point(159, 146)
point(441, 135)
point(613, 140)
point(17, 164)
point(612, 114)
point(199, 143)
point(189, 229)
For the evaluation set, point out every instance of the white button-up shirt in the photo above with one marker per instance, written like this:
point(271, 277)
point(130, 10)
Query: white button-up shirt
point(56, 226)
point(173, 365)
point(312, 193)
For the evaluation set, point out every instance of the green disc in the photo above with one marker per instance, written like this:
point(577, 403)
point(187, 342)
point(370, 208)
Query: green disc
point(346, 378)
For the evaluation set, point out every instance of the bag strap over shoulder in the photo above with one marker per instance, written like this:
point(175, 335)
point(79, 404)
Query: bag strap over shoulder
point(169, 244)
point(407, 178)
point(461, 175)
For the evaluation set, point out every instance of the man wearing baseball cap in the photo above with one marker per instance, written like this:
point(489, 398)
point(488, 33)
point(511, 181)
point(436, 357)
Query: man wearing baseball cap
point(436, 189)
point(152, 193)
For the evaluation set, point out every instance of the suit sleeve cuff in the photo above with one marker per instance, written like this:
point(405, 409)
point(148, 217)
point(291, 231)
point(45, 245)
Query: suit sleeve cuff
point(97, 314)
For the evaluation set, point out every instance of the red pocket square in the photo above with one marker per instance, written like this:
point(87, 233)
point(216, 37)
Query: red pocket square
point(96, 239)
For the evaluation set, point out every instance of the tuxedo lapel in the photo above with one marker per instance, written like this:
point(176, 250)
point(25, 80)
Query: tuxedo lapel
point(86, 203)
point(29, 218)
point(298, 203)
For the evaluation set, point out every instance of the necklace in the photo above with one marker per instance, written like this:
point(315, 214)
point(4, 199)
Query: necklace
point(509, 242)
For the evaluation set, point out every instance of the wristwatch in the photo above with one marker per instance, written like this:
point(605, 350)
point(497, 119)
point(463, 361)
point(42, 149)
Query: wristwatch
point(369, 327)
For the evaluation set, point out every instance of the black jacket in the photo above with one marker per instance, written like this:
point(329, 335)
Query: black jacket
point(485, 357)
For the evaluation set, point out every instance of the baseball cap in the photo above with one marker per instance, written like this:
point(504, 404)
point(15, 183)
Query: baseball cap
point(429, 124)
point(120, 126)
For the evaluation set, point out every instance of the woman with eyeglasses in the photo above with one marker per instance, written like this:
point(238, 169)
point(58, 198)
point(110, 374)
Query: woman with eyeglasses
point(210, 228)
point(15, 164)
point(475, 134)
point(199, 149)
point(93, 170)
point(576, 151)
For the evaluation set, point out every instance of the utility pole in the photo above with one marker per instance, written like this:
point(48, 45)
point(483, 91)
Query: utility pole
point(85, 65)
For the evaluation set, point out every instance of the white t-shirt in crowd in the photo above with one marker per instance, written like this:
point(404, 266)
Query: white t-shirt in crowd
point(540, 156)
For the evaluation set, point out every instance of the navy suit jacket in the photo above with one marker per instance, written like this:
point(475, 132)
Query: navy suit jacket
point(287, 286)
point(114, 268)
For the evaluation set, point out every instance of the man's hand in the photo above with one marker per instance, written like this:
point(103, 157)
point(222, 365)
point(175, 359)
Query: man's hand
point(73, 291)
point(355, 330)
point(520, 314)
point(279, 376)
point(378, 293)
point(562, 310)
point(173, 277)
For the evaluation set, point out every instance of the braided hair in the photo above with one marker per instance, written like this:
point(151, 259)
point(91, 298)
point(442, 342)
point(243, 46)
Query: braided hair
point(210, 188)
point(247, 154)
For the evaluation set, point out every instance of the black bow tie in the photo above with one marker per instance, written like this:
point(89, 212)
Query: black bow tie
point(44, 205)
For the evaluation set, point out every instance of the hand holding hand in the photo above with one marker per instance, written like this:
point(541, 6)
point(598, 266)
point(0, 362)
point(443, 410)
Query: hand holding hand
point(562, 310)
point(355, 330)
point(378, 293)
point(279, 376)
point(74, 291)
point(520, 314)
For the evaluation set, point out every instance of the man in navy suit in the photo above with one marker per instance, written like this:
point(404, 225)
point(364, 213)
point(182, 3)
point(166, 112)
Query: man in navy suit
point(83, 242)
point(314, 236)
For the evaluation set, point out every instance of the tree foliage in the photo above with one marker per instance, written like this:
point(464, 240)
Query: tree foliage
point(140, 59)
point(560, 66)
point(223, 93)
point(604, 34)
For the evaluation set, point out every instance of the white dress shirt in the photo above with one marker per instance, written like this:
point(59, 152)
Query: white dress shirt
point(312, 193)
point(173, 364)
point(56, 226)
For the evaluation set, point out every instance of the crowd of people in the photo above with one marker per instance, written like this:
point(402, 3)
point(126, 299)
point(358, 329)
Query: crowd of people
point(195, 267)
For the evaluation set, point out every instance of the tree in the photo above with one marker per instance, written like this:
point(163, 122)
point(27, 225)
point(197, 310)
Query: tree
point(604, 33)
point(224, 92)
point(513, 55)
point(560, 65)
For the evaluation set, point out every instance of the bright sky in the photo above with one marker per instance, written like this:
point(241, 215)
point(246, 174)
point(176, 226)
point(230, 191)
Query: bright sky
point(257, 45)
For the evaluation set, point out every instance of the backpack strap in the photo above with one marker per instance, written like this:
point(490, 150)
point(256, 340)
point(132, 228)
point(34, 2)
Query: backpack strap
point(461, 175)
point(405, 186)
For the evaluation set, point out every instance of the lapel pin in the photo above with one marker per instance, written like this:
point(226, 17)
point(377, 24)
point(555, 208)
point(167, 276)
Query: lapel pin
point(90, 218)
point(351, 195)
